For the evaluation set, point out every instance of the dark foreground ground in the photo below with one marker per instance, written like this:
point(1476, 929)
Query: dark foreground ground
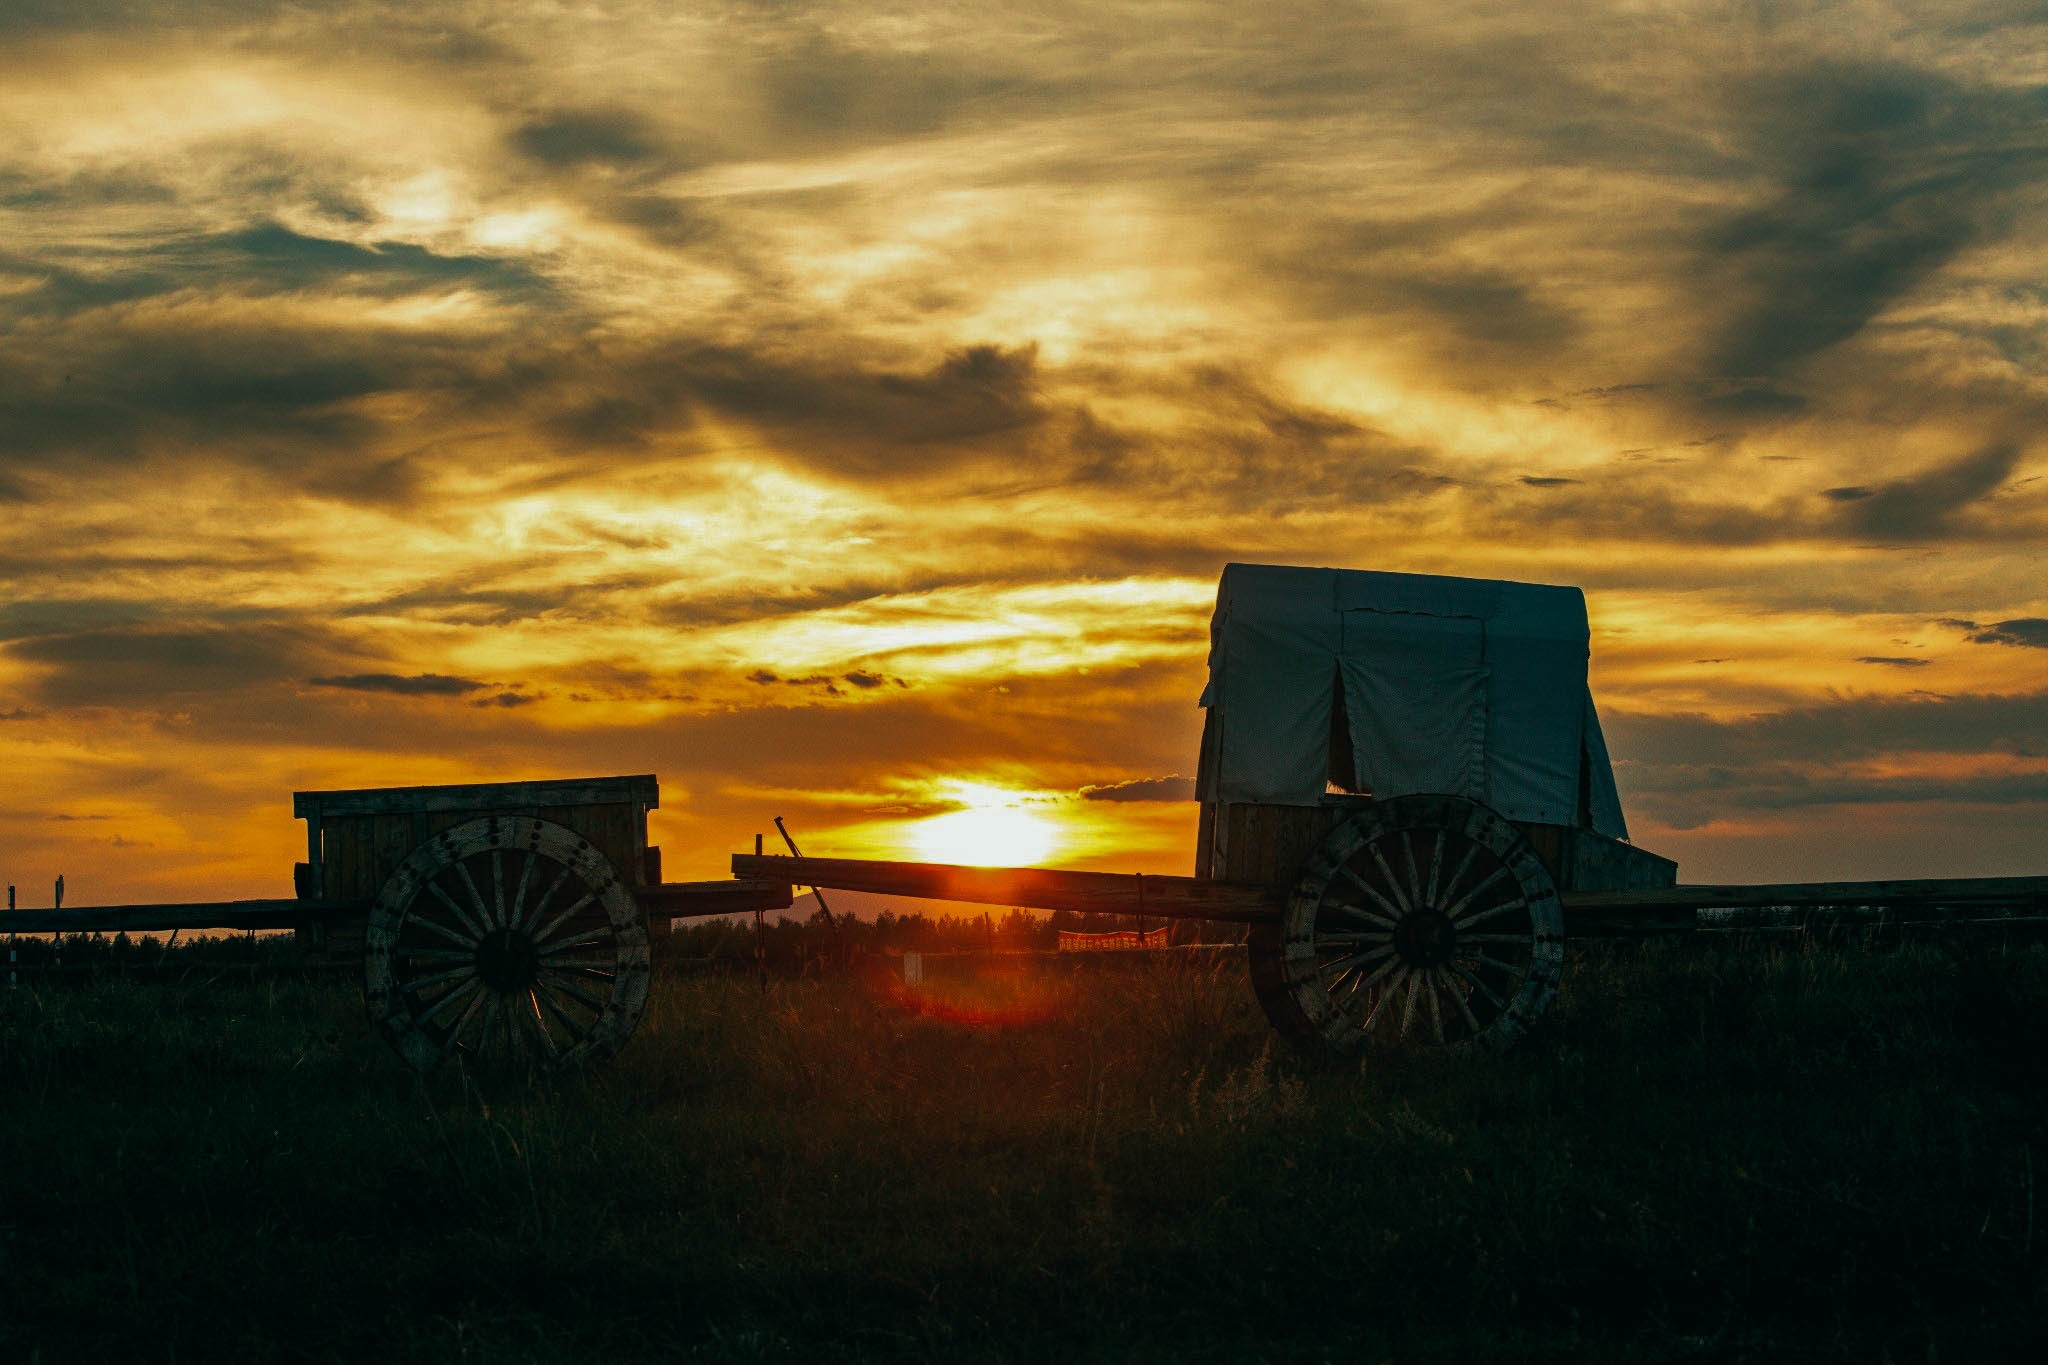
point(1706, 1153)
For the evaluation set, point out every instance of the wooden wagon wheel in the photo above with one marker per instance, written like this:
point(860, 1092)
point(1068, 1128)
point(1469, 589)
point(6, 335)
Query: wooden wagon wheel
point(1419, 919)
point(508, 939)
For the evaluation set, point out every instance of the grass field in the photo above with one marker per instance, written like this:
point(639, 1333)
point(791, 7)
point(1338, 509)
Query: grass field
point(1706, 1152)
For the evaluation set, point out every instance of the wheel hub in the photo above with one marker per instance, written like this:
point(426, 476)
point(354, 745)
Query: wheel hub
point(507, 961)
point(1425, 938)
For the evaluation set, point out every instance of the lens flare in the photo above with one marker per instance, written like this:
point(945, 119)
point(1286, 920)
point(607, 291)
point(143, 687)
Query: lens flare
point(993, 828)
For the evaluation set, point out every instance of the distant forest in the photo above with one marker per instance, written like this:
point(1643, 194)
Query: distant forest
point(819, 937)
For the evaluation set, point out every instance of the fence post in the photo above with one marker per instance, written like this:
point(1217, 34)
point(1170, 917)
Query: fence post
point(13, 954)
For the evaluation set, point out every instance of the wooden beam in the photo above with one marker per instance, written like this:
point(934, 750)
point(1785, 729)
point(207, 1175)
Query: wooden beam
point(641, 788)
point(115, 919)
point(1683, 909)
point(1933, 891)
point(694, 900)
point(1037, 888)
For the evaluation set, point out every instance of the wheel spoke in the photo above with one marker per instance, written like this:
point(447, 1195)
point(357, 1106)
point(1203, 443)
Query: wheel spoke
point(1479, 986)
point(1408, 1005)
point(576, 941)
point(1493, 962)
point(1353, 960)
point(1386, 994)
point(1450, 887)
point(435, 954)
point(1362, 884)
point(469, 1012)
point(1393, 882)
point(1493, 938)
point(415, 917)
point(543, 935)
point(1414, 874)
point(461, 992)
point(1343, 937)
point(1436, 1016)
point(570, 1026)
point(420, 983)
point(1484, 915)
point(605, 973)
point(1464, 1006)
point(1451, 911)
point(493, 1006)
point(607, 965)
point(509, 1021)
point(469, 885)
point(1436, 865)
point(569, 988)
point(516, 912)
point(1358, 912)
point(561, 874)
point(532, 1016)
point(461, 915)
point(498, 888)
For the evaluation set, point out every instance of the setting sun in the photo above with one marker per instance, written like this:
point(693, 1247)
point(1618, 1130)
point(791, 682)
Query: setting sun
point(994, 828)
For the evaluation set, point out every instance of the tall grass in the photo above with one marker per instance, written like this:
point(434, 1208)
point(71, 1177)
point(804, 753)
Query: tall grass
point(1712, 1151)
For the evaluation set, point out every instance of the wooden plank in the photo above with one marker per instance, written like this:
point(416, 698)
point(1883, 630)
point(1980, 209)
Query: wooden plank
point(611, 828)
point(482, 797)
point(1684, 909)
point(1109, 893)
point(690, 900)
point(114, 919)
point(1922, 891)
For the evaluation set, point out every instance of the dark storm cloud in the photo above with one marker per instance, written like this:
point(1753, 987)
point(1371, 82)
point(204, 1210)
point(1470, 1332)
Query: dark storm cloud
point(34, 618)
point(865, 422)
point(1487, 308)
point(421, 32)
point(474, 601)
point(122, 394)
point(1688, 765)
point(506, 700)
point(1884, 173)
point(1927, 504)
point(1173, 788)
point(141, 665)
point(818, 90)
point(262, 259)
point(416, 685)
point(2028, 631)
point(609, 137)
point(1892, 660)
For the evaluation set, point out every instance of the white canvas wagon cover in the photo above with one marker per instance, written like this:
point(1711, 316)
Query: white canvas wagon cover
point(1467, 686)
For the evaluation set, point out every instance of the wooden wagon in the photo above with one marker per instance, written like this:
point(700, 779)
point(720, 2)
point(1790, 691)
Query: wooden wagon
point(1406, 794)
point(490, 919)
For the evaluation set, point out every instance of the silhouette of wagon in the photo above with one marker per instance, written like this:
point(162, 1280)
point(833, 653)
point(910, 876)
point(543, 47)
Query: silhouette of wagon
point(493, 920)
point(1406, 795)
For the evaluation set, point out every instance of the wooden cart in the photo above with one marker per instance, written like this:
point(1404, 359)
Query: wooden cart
point(502, 919)
point(1427, 919)
point(1406, 794)
point(511, 918)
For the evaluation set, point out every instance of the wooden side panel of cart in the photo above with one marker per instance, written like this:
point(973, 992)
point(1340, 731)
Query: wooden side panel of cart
point(355, 839)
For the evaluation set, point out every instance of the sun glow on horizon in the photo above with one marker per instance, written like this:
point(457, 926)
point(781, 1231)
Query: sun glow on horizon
point(992, 828)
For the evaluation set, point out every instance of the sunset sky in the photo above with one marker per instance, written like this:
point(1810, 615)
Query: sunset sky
point(844, 411)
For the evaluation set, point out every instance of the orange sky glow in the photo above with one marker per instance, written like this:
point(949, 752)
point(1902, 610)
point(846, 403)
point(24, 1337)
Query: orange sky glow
point(844, 410)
